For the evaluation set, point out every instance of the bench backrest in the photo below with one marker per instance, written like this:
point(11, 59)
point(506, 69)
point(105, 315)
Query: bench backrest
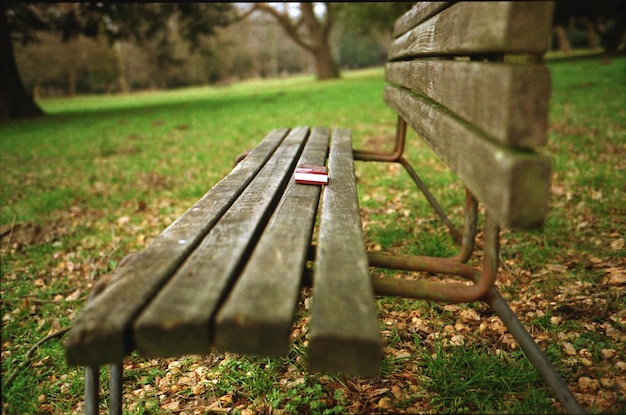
point(468, 77)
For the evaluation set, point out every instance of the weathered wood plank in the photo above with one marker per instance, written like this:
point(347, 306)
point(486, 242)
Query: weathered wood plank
point(509, 102)
point(178, 320)
point(344, 334)
point(419, 12)
point(101, 332)
point(259, 312)
point(514, 185)
point(470, 28)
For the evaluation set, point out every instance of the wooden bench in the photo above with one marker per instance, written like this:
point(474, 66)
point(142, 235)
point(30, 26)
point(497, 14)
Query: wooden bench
point(468, 78)
point(229, 270)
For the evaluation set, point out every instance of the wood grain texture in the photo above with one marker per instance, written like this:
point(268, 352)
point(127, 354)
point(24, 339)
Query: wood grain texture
point(258, 315)
point(178, 320)
point(101, 333)
point(420, 12)
point(479, 28)
point(513, 184)
point(508, 102)
point(344, 333)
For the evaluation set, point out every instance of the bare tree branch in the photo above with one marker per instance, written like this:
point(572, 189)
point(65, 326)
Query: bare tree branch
point(244, 15)
point(286, 23)
point(309, 32)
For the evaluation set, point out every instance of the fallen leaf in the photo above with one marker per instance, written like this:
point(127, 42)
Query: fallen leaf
point(451, 308)
point(558, 268)
point(617, 244)
point(457, 340)
point(568, 348)
point(616, 276)
point(586, 383)
point(607, 383)
point(396, 391)
point(74, 296)
point(555, 320)
point(377, 392)
point(468, 315)
point(198, 389)
point(586, 362)
point(385, 403)
point(172, 405)
point(401, 354)
point(294, 383)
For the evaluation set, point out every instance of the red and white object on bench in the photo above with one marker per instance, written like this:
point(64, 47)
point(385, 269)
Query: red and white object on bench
point(309, 174)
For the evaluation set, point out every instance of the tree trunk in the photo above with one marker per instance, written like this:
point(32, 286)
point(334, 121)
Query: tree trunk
point(15, 101)
point(325, 66)
point(317, 36)
point(121, 67)
point(561, 37)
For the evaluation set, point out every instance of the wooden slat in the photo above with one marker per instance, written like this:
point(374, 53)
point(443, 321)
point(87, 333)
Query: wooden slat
point(258, 314)
point(514, 185)
point(101, 332)
point(509, 102)
point(469, 28)
point(344, 334)
point(419, 12)
point(178, 320)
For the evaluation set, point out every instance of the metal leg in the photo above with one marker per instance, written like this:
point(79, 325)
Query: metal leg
point(534, 353)
point(92, 386)
point(115, 389)
point(92, 374)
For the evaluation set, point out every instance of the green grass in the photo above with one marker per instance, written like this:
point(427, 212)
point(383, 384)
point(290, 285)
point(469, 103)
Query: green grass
point(475, 379)
point(102, 175)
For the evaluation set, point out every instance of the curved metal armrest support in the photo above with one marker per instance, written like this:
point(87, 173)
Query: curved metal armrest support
point(398, 147)
point(482, 282)
point(396, 156)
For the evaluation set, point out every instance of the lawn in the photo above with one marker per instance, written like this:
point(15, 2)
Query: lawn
point(100, 176)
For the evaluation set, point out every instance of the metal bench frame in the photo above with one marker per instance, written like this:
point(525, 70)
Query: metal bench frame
point(483, 288)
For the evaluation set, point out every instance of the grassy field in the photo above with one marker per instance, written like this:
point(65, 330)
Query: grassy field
point(99, 177)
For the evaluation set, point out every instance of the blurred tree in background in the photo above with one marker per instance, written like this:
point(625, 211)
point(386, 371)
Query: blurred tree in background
point(583, 23)
point(150, 25)
point(310, 26)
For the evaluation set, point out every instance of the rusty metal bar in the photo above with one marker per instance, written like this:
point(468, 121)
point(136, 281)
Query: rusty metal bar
point(481, 285)
point(398, 147)
point(396, 157)
point(469, 229)
point(431, 199)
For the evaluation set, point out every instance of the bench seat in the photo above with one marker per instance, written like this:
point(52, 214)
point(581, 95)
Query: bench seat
point(228, 272)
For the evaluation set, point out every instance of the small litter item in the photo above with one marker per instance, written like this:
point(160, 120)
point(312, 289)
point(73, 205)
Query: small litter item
point(310, 174)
